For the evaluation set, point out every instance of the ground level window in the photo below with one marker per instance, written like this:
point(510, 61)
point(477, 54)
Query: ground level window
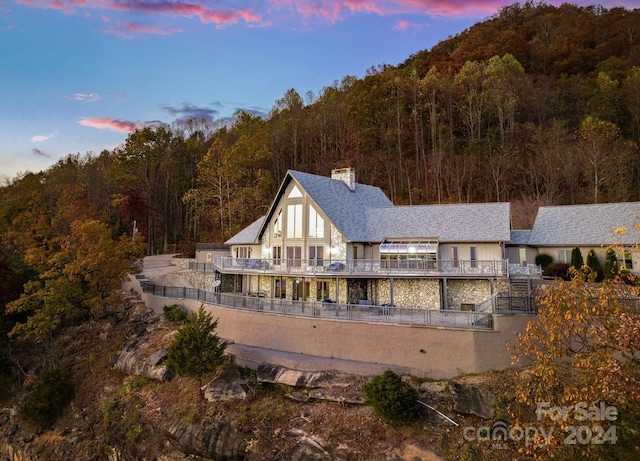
point(625, 260)
point(281, 288)
point(564, 256)
point(322, 291)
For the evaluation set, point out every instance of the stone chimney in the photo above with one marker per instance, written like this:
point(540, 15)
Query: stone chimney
point(347, 176)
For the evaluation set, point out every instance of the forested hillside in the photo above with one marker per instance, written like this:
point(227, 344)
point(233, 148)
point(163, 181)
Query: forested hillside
point(537, 105)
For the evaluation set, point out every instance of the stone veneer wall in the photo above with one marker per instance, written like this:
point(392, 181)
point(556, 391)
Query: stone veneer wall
point(467, 292)
point(408, 293)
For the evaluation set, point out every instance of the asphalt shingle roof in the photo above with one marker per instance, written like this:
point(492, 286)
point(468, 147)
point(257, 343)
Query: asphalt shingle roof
point(367, 215)
point(579, 225)
point(520, 237)
point(248, 235)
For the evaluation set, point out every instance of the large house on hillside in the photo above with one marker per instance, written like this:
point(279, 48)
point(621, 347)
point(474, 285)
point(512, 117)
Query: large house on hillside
point(333, 240)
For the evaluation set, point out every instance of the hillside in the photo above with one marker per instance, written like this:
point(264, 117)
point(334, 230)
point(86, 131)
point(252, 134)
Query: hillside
point(121, 416)
point(547, 40)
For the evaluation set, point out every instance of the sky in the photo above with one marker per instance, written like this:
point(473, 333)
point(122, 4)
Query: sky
point(77, 76)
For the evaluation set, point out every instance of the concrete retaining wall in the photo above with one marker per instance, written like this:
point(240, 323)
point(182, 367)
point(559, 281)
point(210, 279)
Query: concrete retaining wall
point(428, 352)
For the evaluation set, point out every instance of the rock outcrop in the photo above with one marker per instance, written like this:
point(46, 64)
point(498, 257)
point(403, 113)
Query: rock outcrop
point(222, 441)
point(321, 385)
point(135, 359)
point(228, 386)
point(472, 400)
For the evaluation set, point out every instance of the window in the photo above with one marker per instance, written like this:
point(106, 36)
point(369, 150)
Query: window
point(322, 291)
point(625, 260)
point(316, 255)
point(294, 221)
point(243, 252)
point(277, 254)
point(418, 255)
point(473, 251)
point(294, 256)
point(316, 224)
point(454, 256)
point(564, 256)
point(281, 288)
point(295, 193)
point(277, 226)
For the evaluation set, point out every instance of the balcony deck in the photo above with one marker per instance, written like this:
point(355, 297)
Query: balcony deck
point(360, 268)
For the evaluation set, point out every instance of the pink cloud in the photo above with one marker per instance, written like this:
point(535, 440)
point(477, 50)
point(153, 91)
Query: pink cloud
point(130, 29)
point(106, 123)
point(177, 8)
point(206, 15)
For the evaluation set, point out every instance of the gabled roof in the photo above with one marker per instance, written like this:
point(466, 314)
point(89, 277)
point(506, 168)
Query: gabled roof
point(343, 207)
point(581, 225)
point(248, 235)
point(367, 215)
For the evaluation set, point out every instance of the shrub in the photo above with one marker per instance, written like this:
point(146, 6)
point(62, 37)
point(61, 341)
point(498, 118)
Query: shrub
point(558, 270)
point(175, 313)
point(196, 350)
point(611, 268)
point(576, 258)
point(543, 260)
point(391, 398)
point(51, 394)
point(594, 264)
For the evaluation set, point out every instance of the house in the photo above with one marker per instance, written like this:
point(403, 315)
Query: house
point(332, 239)
point(559, 229)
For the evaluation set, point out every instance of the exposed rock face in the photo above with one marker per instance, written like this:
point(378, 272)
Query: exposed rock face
point(322, 385)
point(136, 360)
point(228, 386)
point(472, 400)
point(219, 442)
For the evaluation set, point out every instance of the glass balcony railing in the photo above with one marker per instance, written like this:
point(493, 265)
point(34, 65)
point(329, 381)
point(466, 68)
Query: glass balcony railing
point(334, 268)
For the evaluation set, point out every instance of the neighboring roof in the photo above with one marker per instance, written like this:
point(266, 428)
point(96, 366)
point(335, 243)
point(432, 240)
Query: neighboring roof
point(520, 237)
point(581, 225)
point(471, 222)
point(248, 235)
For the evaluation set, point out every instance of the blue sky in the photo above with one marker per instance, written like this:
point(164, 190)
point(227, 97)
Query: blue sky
point(78, 76)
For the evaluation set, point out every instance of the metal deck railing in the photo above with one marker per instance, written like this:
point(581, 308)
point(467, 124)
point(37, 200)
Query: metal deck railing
point(329, 310)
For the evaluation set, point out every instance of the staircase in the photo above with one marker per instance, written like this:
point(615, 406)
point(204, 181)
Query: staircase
point(521, 296)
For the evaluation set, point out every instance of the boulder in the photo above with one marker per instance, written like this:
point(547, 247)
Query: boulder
point(228, 386)
point(472, 400)
point(136, 360)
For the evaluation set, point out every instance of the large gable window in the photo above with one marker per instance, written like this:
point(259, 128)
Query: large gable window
point(316, 224)
point(294, 221)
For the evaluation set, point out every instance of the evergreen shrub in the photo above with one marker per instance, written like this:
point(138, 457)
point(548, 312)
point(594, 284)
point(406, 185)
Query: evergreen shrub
point(391, 398)
point(175, 313)
point(50, 395)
